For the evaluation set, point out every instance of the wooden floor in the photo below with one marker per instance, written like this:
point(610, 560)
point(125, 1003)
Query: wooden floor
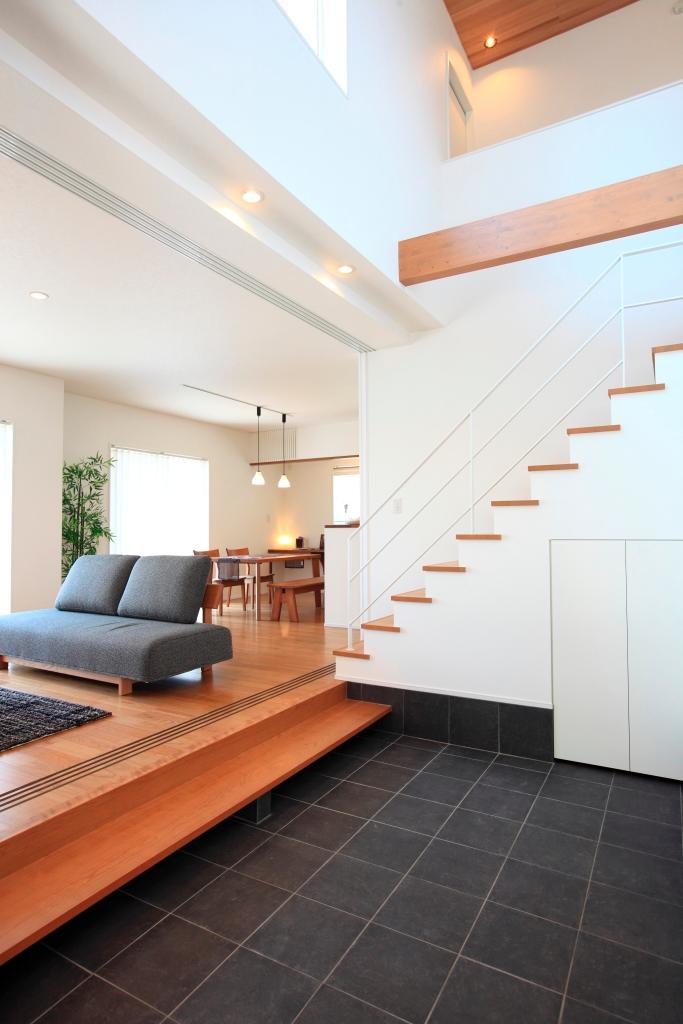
point(87, 809)
point(265, 653)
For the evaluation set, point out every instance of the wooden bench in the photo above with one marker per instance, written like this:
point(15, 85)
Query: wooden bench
point(288, 589)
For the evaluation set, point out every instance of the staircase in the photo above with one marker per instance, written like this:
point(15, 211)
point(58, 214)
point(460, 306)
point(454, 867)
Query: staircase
point(480, 626)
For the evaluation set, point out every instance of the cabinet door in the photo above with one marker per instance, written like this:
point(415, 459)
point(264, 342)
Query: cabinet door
point(590, 676)
point(655, 642)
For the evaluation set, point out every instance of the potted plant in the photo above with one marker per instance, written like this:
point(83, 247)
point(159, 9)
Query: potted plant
point(84, 523)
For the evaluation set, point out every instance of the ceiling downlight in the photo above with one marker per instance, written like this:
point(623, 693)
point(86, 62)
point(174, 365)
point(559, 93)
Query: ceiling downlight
point(42, 163)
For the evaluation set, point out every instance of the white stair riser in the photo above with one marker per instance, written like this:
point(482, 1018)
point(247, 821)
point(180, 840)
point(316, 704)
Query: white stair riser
point(669, 370)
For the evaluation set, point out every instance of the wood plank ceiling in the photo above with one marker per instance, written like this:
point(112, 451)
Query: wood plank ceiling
point(516, 24)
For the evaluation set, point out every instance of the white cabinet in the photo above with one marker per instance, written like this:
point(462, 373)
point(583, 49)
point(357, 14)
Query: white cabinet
point(617, 633)
point(655, 656)
point(590, 676)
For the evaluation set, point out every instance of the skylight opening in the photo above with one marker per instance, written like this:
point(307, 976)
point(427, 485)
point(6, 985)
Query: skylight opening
point(322, 25)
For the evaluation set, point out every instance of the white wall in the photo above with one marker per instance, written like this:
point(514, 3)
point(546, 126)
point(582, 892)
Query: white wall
point(628, 52)
point(327, 439)
point(238, 512)
point(306, 508)
point(239, 515)
point(352, 159)
point(33, 403)
point(625, 141)
point(385, 141)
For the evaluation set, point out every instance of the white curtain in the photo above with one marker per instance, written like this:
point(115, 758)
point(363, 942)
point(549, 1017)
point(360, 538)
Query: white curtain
point(159, 504)
point(5, 516)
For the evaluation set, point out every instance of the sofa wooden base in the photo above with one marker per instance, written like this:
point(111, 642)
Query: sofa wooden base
point(125, 686)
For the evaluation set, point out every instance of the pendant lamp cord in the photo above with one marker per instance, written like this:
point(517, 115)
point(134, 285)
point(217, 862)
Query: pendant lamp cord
point(284, 420)
point(258, 436)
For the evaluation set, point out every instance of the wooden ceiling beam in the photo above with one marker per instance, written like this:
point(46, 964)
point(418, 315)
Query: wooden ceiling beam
point(613, 211)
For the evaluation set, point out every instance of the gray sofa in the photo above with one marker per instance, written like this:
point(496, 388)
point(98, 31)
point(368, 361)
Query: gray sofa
point(121, 619)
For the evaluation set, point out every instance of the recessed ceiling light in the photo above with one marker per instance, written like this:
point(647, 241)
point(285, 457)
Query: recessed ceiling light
point(490, 42)
point(40, 296)
point(252, 195)
point(345, 268)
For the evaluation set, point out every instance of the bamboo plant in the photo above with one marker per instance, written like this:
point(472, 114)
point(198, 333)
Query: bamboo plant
point(84, 523)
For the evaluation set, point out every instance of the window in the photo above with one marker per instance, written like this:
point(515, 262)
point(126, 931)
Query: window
point(5, 516)
point(345, 495)
point(322, 23)
point(159, 504)
point(459, 110)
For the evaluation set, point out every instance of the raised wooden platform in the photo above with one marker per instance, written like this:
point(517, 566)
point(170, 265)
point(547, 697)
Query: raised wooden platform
point(84, 811)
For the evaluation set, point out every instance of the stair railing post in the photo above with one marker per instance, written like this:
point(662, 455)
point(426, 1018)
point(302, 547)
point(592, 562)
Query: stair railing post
point(622, 322)
point(471, 473)
point(349, 594)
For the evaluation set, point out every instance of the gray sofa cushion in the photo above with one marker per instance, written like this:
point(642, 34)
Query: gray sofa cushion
point(95, 584)
point(169, 588)
point(108, 645)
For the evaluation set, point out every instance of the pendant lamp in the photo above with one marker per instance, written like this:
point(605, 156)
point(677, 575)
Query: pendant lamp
point(283, 481)
point(258, 479)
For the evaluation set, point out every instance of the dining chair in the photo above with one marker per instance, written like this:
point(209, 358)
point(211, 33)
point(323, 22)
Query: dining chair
point(266, 577)
point(236, 581)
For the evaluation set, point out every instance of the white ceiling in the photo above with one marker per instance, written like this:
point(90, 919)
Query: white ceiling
point(131, 321)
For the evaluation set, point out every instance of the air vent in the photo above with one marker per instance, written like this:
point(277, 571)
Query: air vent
point(47, 166)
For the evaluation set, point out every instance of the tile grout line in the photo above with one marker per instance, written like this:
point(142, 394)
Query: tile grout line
point(164, 917)
point(90, 974)
point(374, 759)
point(441, 885)
point(167, 914)
point(486, 899)
point(404, 875)
point(583, 911)
point(242, 944)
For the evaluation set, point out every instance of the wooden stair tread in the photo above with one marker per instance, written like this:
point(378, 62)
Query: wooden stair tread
point(45, 893)
point(636, 389)
point(658, 349)
point(383, 625)
point(552, 466)
point(356, 650)
point(445, 567)
point(479, 536)
point(418, 596)
point(516, 503)
point(604, 429)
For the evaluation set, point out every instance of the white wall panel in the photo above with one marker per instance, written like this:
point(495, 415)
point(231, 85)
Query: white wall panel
point(590, 675)
point(655, 653)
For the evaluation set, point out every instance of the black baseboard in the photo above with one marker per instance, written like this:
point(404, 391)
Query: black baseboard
point(487, 724)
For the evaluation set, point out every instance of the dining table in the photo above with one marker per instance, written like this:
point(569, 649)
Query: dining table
point(225, 565)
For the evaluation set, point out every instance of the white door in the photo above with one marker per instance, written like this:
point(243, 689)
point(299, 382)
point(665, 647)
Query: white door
point(655, 644)
point(590, 675)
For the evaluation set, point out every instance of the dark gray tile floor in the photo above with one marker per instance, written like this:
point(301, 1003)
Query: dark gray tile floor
point(398, 880)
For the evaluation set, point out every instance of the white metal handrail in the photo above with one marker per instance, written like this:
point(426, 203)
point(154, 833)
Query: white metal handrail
point(451, 526)
point(468, 418)
point(474, 454)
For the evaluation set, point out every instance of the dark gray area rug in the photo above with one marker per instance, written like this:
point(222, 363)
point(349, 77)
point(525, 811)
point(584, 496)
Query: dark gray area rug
point(25, 717)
